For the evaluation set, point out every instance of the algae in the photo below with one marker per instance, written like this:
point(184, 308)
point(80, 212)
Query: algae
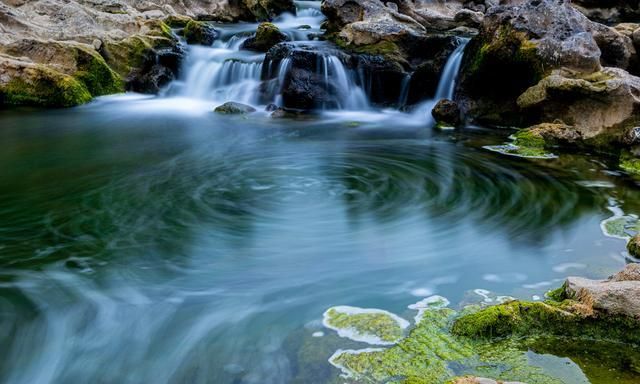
point(372, 326)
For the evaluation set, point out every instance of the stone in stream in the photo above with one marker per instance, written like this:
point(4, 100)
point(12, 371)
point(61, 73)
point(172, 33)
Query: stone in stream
point(447, 113)
point(233, 108)
point(267, 35)
point(199, 32)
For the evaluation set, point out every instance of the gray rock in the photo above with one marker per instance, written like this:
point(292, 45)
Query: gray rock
point(233, 108)
point(619, 295)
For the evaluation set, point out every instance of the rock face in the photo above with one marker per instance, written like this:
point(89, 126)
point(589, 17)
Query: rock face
point(446, 113)
point(267, 35)
point(619, 295)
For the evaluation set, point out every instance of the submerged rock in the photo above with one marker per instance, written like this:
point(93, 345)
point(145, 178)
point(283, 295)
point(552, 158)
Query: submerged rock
point(199, 32)
point(267, 35)
point(447, 113)
point(233, 108)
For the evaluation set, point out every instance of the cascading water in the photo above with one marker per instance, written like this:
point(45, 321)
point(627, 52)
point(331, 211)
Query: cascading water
point(446, 84)
point(226, 72)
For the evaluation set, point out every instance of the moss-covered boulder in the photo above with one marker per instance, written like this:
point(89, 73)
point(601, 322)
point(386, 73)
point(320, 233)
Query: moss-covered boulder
point(27, 83)
point(269, 9)
point(233, 108)
point(199, 32)
point(519, 44)
point(146, 62)
point(267, 35)
point(81, 61)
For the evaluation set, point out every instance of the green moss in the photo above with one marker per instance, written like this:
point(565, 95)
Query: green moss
point(423, 354)
point(199, 32)
point(177, 21)
point(557, 294)
point(630, 164)
point(41, 86)
point(529, 139)
point(522, 318)
point(364, 323)
point(96, 75)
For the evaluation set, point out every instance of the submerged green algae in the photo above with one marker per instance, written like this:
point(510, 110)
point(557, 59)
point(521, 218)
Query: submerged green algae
point(372, 326)
point(524, 144)
point(513, 341)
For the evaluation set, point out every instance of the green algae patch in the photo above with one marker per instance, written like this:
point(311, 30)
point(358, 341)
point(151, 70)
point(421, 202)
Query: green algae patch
point(424, 354)
point(630, 164)
point(526, 143)
point(620, 226)
point(373, 326)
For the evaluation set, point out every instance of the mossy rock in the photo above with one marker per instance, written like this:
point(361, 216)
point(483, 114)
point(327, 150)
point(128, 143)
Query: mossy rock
point(551, 318)
point(267, 35)
point(233, 108)
point(177, 21)
point(38, 85)
point(630, 164)
point(633, 246)
point(199, 32)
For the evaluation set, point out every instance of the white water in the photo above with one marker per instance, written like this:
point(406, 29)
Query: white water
point(224, 72)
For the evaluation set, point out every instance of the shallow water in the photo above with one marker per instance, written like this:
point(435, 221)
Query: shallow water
point(149, 240)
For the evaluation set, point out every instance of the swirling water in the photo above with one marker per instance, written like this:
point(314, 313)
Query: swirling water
point(145, 242)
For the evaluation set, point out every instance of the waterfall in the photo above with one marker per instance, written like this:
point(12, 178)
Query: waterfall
point(447, 83)
point(350, 94)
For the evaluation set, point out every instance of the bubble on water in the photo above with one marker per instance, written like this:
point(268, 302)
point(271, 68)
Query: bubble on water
point(429, 303)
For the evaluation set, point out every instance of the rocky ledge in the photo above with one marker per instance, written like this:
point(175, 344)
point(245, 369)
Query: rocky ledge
point(63, 53)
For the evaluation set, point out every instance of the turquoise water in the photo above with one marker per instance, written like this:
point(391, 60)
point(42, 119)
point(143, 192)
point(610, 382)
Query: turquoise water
point(148, 240)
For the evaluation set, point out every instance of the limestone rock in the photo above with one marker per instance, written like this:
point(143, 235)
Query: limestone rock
point(604, 105)
point(619, 295)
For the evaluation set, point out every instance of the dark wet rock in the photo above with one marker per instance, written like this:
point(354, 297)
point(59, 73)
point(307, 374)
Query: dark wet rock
point(609, 11)
point(233, 108)
point(383, 79)
point(602, 108)
point(271, 108)
point(199, 32)
point(146, 63)
point(267, 35)
point(304, 86)
point(447, 113)
point(268, 9)
point(468, 18)
point(617, 49)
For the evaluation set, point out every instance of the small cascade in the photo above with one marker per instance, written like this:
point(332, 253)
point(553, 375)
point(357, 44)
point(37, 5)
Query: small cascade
point(349, 94)
point(447, 83)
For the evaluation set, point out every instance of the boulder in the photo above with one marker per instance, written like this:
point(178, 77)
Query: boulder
point(79, 60)
point(447, 113)
point(633, 247)
point(268, 9)
point(519, 43)
point(233, 108)
point(267, 35)
point(28, 83)
point(199, 32)
point(600, 108)
point(302, 84)
point(619, 295)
